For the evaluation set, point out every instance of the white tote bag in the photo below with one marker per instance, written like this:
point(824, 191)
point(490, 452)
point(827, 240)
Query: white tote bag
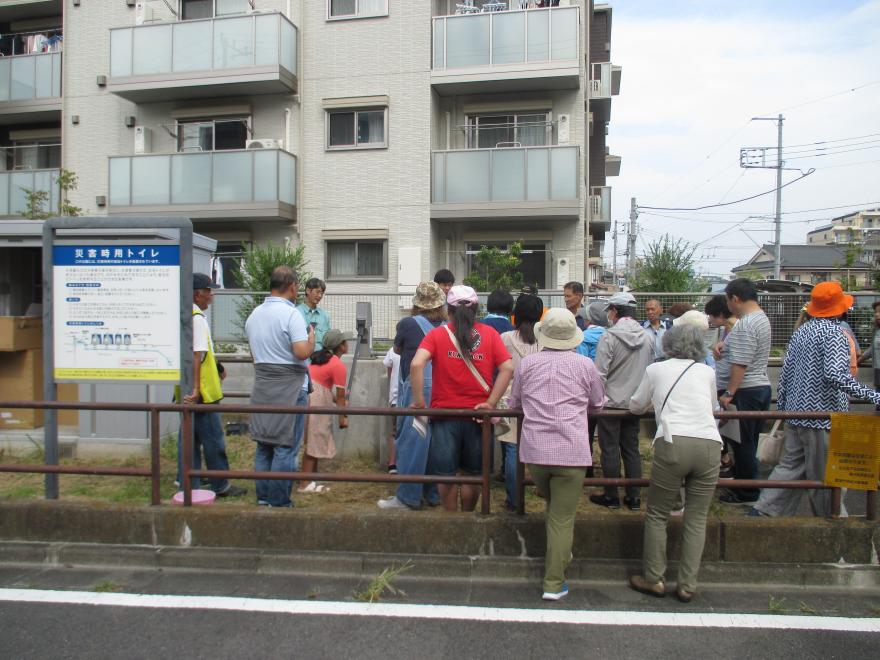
point(770, 445)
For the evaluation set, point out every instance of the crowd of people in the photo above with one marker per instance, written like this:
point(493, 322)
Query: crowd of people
point(559, 366)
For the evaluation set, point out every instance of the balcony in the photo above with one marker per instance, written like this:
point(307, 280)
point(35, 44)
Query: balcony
point(30, 87)
point(217, 185)
point(507, 51)
point(612, 165)
point(600, 206)
point(505, 183)
point(23, 10)
point(14, 187)
point(605, 80)
point(236, 55)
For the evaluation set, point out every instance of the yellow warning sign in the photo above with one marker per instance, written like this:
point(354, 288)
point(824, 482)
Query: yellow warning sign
point(854, 452)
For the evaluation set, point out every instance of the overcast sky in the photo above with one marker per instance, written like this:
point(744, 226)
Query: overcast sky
point(696, 71)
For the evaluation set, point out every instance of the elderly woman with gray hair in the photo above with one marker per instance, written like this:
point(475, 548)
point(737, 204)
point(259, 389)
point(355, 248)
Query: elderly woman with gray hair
point(687, 448)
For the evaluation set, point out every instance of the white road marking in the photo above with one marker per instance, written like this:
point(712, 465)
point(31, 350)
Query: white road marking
point(448, 612)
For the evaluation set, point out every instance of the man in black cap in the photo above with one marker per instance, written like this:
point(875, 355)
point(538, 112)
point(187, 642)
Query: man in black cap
point(207, 377)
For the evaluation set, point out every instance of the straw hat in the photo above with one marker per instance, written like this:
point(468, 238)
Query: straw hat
point(558, 329)
point(828, 300)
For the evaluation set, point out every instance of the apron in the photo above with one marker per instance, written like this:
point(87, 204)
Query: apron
point(276, 384)
point(319, 433)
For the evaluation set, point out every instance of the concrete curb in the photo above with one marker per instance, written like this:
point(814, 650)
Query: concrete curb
point(249, 530)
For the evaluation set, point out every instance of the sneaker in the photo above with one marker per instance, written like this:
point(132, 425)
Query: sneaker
point(754, 513)
point(262, 503)
point(603, 500)
point(392, 468)
point(233, 491)
point(633, 503)
point(730, 497)
point(557, 595)
point(391, 503)
point(656, 589)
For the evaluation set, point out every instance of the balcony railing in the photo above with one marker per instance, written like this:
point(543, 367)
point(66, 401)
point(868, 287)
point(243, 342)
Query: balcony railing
point(600, 204)
point(605, 80)
point(522, 174)
point(213, 44)
point(30, 77)
point(507, 37)
point(14, 187)
point(214, 177)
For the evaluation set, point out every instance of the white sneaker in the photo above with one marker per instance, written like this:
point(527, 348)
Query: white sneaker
point(391, 503)
point(556, 595)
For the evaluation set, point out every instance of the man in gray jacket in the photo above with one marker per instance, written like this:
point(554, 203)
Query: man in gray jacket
point(623, 354)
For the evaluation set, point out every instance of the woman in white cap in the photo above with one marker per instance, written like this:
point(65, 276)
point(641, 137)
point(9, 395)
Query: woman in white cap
point(557, 389)
point(464, 357)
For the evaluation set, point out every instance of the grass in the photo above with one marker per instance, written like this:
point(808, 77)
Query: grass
point(383, 584)
point(107, 587)
point(776, 605)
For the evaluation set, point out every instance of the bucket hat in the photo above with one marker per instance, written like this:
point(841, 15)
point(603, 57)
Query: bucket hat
point(692, 317)
point(828, 300)
point(429, 295)
point(558, 329)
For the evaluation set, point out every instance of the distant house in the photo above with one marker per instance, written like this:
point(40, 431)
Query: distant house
point(861, 228)
point(808, 264)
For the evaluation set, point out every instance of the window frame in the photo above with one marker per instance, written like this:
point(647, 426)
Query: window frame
point(214, 14)
point(359, 278)
point(355, 111)
point(473, 128)
point(247, 120)
point(356, 15)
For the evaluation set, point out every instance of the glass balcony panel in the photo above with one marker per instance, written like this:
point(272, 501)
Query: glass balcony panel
point(151, 48)
point(149, 180)
point(191, 178)
point(538, 49)
point(467, 176)
point(233, 43)
point(287, 178)
point(56, 75)
point(120, 52)
point(120, 181)
point(438, 179)
point(227, 7)
point(190, 46)
point(508, 37)
point(266, 175)
point(233, 177)
point(266, 40)
point(5, 78)
point(288, 46)
point(563, 169)
point(508, 175)
point(4, 194)
point(47, 180)
point(19, 183)
point(439, 43)
point(23, 72)
point(43, 77)
point(467, 39)
point(563, 28)
point(538, 182)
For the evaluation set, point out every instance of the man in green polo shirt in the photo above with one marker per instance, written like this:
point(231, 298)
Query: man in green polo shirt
point(314, 315)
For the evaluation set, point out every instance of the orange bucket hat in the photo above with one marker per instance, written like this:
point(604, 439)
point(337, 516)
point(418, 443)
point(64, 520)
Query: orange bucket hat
point(828, 300)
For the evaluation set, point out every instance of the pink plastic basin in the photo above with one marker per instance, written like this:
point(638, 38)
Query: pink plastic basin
point(199, 496)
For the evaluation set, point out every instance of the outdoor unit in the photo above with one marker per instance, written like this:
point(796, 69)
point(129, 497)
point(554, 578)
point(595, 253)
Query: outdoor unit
point(143, 140)
point(562, 272)
point(262, 143)
point(142, 13)
point(563, 129)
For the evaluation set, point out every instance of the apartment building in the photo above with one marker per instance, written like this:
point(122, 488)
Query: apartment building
point(390, 137)
point(861, 229)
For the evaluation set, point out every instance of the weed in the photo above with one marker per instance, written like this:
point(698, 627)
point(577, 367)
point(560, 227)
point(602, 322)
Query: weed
point(874, 611)
point(775, 605)
point(806, 609)
point(313, 593)
point(107, 587)
point(168, 447)
point(382, 583)
point(717, 510)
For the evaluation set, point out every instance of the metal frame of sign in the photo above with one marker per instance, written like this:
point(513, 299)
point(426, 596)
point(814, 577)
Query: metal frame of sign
point(104, 230)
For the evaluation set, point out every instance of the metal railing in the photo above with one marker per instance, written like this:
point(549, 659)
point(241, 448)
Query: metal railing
point(30, 77)
point(600, 204)
point(507, 37)
point(484, 480)
point(210, 44)
point(602, 81)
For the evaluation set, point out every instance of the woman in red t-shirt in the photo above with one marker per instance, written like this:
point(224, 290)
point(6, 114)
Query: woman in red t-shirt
point(456, 444)
point(328, 383)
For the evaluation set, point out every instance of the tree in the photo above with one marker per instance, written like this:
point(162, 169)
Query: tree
point(36, 201)
point(496, 268)
point(257, 265)
point(668, 266)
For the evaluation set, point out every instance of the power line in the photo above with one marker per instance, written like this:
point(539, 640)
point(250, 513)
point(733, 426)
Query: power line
point(830, 153)
point(738, 201)
point(825, 208)
point(825, 98)
point(817, 147)
point(810, 144)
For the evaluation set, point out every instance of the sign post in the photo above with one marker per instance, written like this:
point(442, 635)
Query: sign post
point(117, 307)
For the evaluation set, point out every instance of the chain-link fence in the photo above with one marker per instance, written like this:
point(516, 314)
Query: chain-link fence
point(388, 308)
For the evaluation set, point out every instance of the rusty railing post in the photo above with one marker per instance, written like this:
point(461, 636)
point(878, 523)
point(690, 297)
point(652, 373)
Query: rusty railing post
point(871, 505)
point(155, 471)
point(487, 462)
point(520, 473)
point(187, 444)
point(836, 498)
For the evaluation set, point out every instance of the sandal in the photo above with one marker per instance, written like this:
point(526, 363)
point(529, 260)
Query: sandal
point(313, 487)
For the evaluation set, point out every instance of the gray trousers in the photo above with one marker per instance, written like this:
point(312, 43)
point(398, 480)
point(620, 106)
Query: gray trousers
point(803, 457)
point(619, 437)
point(696, 461)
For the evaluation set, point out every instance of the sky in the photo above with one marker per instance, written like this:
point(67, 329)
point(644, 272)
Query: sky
point(694, 74)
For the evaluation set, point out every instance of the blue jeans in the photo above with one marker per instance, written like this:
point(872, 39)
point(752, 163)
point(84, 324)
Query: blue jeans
point(508, 457)
point(274, 458)
point(412, 451)
point(299, 427)
point(745, 461)
point(207, 437)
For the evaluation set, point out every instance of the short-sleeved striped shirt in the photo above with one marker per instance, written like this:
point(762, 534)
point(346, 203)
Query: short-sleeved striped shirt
point(749, 345)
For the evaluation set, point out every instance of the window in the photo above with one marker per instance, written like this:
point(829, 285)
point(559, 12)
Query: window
point(356, 8)
point(226, 266)
point(533, 261)
point(357, 129)
point(212, 135)
point(509, 130)
point(33, 155)
point(195, 9)
point(356, 259)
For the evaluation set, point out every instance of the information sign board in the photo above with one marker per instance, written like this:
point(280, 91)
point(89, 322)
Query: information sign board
point(854, 452)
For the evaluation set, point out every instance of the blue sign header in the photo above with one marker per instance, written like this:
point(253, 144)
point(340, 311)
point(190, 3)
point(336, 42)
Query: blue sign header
point(116, 255)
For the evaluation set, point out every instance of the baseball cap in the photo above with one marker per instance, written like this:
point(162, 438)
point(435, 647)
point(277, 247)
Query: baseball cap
point(333, 338)
point(202, 281)
point(461, 295)
point(623, 298)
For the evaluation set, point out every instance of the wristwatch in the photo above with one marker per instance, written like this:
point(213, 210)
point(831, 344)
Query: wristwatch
point(728, 393)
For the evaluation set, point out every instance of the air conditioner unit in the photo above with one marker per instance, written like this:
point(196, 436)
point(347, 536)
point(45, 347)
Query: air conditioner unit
point(262, 143)
point(143, 140)
point(143, 14)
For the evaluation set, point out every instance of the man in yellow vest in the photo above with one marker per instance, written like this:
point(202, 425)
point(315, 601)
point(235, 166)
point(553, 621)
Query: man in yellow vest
point(207, 376)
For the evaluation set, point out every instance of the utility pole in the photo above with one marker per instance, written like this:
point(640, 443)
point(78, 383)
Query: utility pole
point(631, 241)
point(756, 157)
point(614, 267)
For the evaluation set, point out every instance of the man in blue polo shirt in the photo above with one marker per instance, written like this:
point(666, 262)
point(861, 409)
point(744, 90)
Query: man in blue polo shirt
point(281, 343)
